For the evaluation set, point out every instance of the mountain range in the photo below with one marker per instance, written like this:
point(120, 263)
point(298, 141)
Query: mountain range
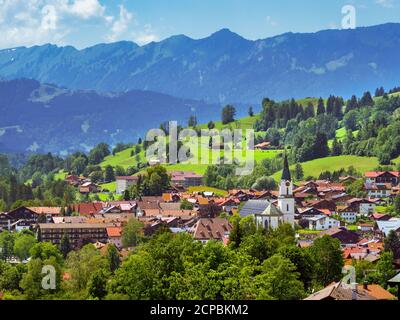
point(223, 67)
point(39, 117)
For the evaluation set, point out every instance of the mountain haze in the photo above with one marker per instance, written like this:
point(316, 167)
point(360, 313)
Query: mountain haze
point(223, 67)
point(45, 118)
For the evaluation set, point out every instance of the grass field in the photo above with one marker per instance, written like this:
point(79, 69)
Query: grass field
point(123, 159)
point(218, 192)
point(60, 175)
point(341, 135)
point(112, 186)
point(243, 123)
point(315, 167)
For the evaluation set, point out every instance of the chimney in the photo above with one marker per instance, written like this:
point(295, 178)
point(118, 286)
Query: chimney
point(354, 291)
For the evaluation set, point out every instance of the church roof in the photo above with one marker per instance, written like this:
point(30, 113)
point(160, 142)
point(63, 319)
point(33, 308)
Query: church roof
point(272, 211)
point(253, 207)
point(286, 176)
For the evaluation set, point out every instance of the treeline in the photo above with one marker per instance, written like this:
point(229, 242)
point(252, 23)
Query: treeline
point(256, 264)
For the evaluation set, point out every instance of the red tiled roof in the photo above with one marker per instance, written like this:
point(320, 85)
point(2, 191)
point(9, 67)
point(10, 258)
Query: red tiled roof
point(375, 174)
point(114, 232)
point(88, 208)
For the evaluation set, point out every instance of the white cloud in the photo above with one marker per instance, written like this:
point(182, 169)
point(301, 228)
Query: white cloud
point(120, 26)
point(36, 22)
point(271, 22)
point(30, 22)
point(86, 8)
point(385, 3)
point(145, 35)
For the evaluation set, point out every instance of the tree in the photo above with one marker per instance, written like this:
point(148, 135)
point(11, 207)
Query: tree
point(298, 172)
point(235, 236)
point(98, 153)
point(186, 205)
point(321, 149)
point(192, 122)
point(279, 280)
point(264, 183)
point(367, 100)
point(302, 260)
point(83, 264)
point(384, 269)
point(257, 246)
point(228, 114)
point(97, 284)
point(251, 112)
point(127, 195)
point(131, 233)
point(337, 148)
point(23, 244)
point(352, 104)
point(396, 204)
point(6, 245)
point(211, 125)
point(328, 258)
point(321, 106)
point(45, 251)
point(392, 243)
point(109, 175)
point(113, 258)
point(65, 245)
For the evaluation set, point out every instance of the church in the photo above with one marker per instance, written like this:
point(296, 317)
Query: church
point(284, 212)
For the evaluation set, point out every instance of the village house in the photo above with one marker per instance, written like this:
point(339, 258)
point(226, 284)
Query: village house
point(73, 180)
point(385, 227)
point(186, 179)
point(378, 191)
point(124, 183)
point(88, 187)
point(87, 209)
point(345, 236)
point(347, 213)
point(323, 222)
point(26, 217)
point(339, 291)
point(114, 236)
point(363, 207)
point(78, 233)
point(382, 177)
point(211, 229)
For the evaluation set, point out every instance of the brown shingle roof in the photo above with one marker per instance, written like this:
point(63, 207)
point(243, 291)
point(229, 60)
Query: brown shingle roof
point(208, 229)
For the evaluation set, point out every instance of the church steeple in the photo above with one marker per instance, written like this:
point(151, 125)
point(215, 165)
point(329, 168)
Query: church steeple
point(286, 176)
point(286, 201)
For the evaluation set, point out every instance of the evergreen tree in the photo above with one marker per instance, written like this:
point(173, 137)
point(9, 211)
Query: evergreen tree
point(65, 245)
point(109, 174)
point(367, 100)
point(321, 106)
point(298, 172)
point(127, 195)
point(251, 112)
point(228, 114)
point(192, 122)
point(113, 258)
point(352, 104)
point(337, 148)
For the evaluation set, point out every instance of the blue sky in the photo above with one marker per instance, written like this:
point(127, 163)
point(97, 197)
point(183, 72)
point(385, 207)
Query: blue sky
point(83, 23)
